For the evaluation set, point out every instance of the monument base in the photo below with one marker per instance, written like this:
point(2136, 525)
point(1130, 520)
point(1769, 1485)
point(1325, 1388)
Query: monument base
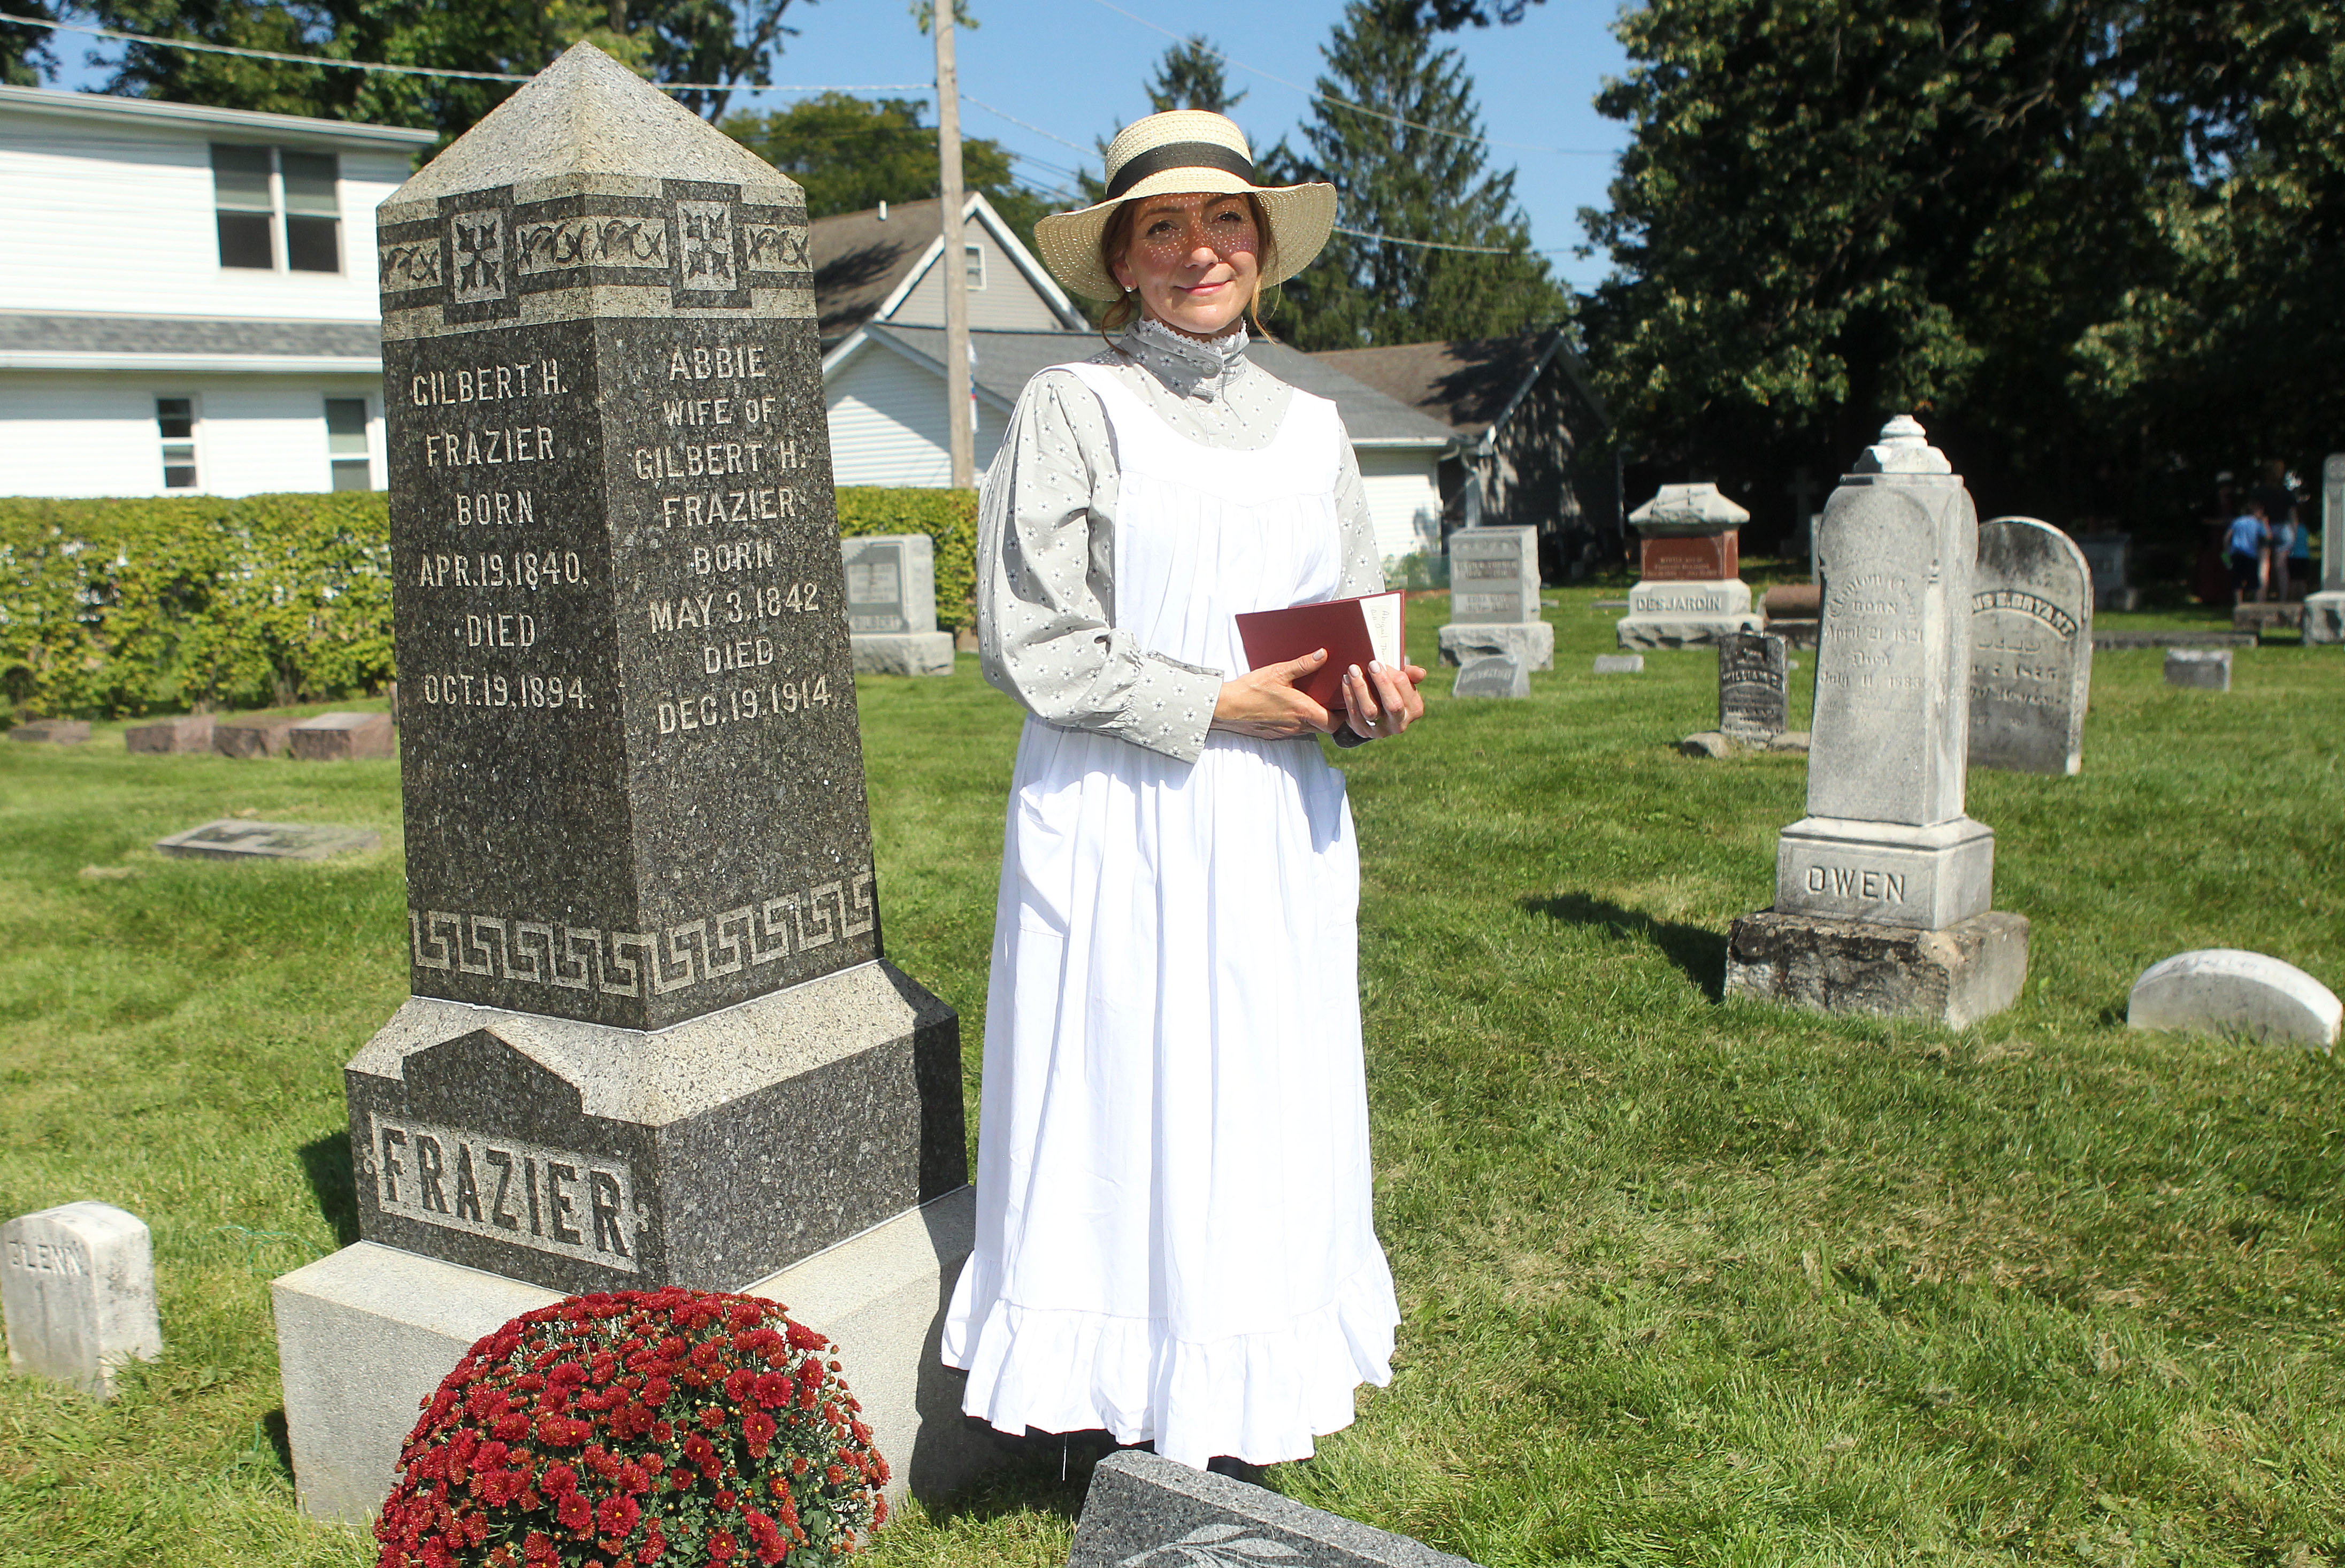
point(1530, 643)
point(1687, 615)
point(1971, 970)
point(902, 652)
point(1886, 873)
point(2324, 616)
point(363, 1338)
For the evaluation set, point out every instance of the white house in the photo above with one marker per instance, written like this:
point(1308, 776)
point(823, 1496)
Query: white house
point(188, 299)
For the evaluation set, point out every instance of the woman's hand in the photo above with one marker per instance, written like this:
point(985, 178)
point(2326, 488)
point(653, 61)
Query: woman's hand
point(1265, 704)
point(1383, 701)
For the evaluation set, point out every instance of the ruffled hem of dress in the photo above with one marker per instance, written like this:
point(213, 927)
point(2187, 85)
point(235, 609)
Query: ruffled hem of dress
point(1261, 1398)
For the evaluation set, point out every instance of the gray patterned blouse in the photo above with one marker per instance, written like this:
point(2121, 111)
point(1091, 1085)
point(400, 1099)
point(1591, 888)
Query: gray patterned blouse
point(1046, 538)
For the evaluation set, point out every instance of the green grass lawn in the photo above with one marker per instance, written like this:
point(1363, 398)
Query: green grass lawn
point(1683, 1282)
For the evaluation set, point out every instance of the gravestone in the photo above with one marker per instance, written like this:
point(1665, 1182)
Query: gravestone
point(187, 732)
point(1754, 690)
point(654, 1038)
point(2225, 990)
point(2031, 648)
point(1886, 847)
point(1620, 663)
point(1145, 1512)
point(238, 838)
point(52, 731)
point(2324, 613)
point(2202, 669)
point(343, 737)
point(1492, 675)
point(891, 605)
point(1690, 591)
point(2109, 558)
point(78, 1285)
point(1494, 599)
point(251, 738)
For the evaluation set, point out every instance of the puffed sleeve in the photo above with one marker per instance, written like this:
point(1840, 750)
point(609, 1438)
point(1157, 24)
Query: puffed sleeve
point(1045, 558)
point(1364, 568)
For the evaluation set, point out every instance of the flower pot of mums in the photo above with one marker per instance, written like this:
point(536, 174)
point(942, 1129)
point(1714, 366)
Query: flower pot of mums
point(674, 1426)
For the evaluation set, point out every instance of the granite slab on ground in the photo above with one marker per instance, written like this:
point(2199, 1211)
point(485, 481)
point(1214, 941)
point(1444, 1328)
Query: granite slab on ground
point(249, 738)
point(1143, 1511)
point(234, 839)
point(342, 738)
point(165, 737)
point(52, 731)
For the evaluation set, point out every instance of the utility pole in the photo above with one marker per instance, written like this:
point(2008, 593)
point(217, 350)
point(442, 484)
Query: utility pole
point(962, 441)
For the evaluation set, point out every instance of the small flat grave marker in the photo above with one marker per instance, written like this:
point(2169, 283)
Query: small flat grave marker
point(231, 839)
point(77, 1284)
point(2207, 669)
point(2219, 990)
point(187, 732)
point(343, 737)
point(1620, 663)
point(52, 731)
point(1492, 675)
point(1145, 1512)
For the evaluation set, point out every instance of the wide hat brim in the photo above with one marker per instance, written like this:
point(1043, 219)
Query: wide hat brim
point(1299, 217)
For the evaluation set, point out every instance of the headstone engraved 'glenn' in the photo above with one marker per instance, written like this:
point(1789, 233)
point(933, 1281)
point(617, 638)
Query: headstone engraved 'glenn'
point(653, 1039)
point(1884, 892)
point(77, 1287)
point(1494, 599)
point(1753, 687)
point(891, 605)
point(2031, 648)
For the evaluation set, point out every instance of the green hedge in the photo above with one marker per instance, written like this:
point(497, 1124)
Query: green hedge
point(116, 607)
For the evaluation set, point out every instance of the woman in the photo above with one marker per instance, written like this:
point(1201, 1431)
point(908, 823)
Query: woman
point(1174, 1240)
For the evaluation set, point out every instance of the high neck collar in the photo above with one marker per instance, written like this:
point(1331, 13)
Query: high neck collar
point(1190, 367)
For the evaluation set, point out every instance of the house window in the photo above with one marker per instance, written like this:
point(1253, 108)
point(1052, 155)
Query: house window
point(175, 422)
point(263, 195)
point(973, 262)
point(346, 443)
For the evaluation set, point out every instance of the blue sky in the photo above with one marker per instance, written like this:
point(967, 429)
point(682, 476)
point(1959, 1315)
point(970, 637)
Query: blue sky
point(1073, 69)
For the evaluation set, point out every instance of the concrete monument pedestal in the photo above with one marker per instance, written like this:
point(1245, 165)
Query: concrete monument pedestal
point(1970, 970)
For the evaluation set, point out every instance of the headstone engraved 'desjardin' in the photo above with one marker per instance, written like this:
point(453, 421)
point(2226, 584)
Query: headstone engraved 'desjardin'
point(2031, 648)
point(653, 1038)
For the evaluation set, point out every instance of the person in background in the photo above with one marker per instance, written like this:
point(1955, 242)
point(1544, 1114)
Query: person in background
point(2278, 502)
point(2243, 548)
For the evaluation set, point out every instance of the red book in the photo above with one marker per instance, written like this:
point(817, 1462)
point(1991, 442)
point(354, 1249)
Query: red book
point(1353, 631)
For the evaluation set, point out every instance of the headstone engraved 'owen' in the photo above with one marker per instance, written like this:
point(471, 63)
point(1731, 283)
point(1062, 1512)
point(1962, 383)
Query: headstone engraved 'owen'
point(2324, 613)
point(1494, 599)
point(1887, 843)
point(891, 605)
point(1753, 687)
point(2031, 648)
point(653, 1038)
point(1689, 590)
point(77, 1286)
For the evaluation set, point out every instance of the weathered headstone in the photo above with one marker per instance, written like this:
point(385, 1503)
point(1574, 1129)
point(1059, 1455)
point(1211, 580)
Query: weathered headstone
point(1620, 663)
point(250, 738)
point(52, 731)
point(187, 732)
point(1689, 590)
point(654, 1039)
point(1887, 843)
point(891, 605)
point(241, 838)
point(2225, 990)
point(2324, 613)
point(342, 738)
point(2109, 558)
point(1144, 1512)
point(1754, 689)
point(2203, 668)
point(2031, 649)
point(1492, 675)
point(1494, 599)
point(78, 1285)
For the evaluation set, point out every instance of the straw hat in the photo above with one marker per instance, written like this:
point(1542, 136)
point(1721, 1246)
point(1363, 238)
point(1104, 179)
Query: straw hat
point(1176, 152)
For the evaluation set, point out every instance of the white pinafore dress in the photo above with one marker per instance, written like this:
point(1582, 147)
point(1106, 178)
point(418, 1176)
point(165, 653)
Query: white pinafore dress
point(1174, 1240)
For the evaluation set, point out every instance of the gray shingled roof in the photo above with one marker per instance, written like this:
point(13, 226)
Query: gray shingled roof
point(25, 332)
point(1006, 361)
point(859, 257)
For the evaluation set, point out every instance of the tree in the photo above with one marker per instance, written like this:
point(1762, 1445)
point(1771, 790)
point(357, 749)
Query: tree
point(1412, 170)
point(1190, 77)
point(854, 153)
point(26, 54)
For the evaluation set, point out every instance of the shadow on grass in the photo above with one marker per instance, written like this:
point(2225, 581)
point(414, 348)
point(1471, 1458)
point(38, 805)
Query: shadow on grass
point(1699, 954)
point(272, 1431)
point(326, 1161)
point(1041, 1472)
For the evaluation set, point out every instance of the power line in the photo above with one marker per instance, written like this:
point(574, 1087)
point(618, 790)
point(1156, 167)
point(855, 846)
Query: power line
point(1429, 244)
point(1021, 125)
point(377, 66)
point(1314, 94)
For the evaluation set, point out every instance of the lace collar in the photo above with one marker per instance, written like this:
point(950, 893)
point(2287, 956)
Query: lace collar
point(1189, 368)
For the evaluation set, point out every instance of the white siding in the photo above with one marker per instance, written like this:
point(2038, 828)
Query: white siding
point(119, 219)
point(888, 422)
point(1404, 497)
point(1007, 302)
point(89, 435)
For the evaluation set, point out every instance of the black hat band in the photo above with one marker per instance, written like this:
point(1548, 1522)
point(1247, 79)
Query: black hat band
point(1180, 155)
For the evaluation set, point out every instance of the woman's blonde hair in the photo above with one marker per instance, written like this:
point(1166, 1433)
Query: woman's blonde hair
point(1115, 240)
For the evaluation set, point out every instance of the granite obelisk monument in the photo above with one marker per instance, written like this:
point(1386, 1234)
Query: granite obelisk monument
point(654, 1039)
point(1884, 892)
